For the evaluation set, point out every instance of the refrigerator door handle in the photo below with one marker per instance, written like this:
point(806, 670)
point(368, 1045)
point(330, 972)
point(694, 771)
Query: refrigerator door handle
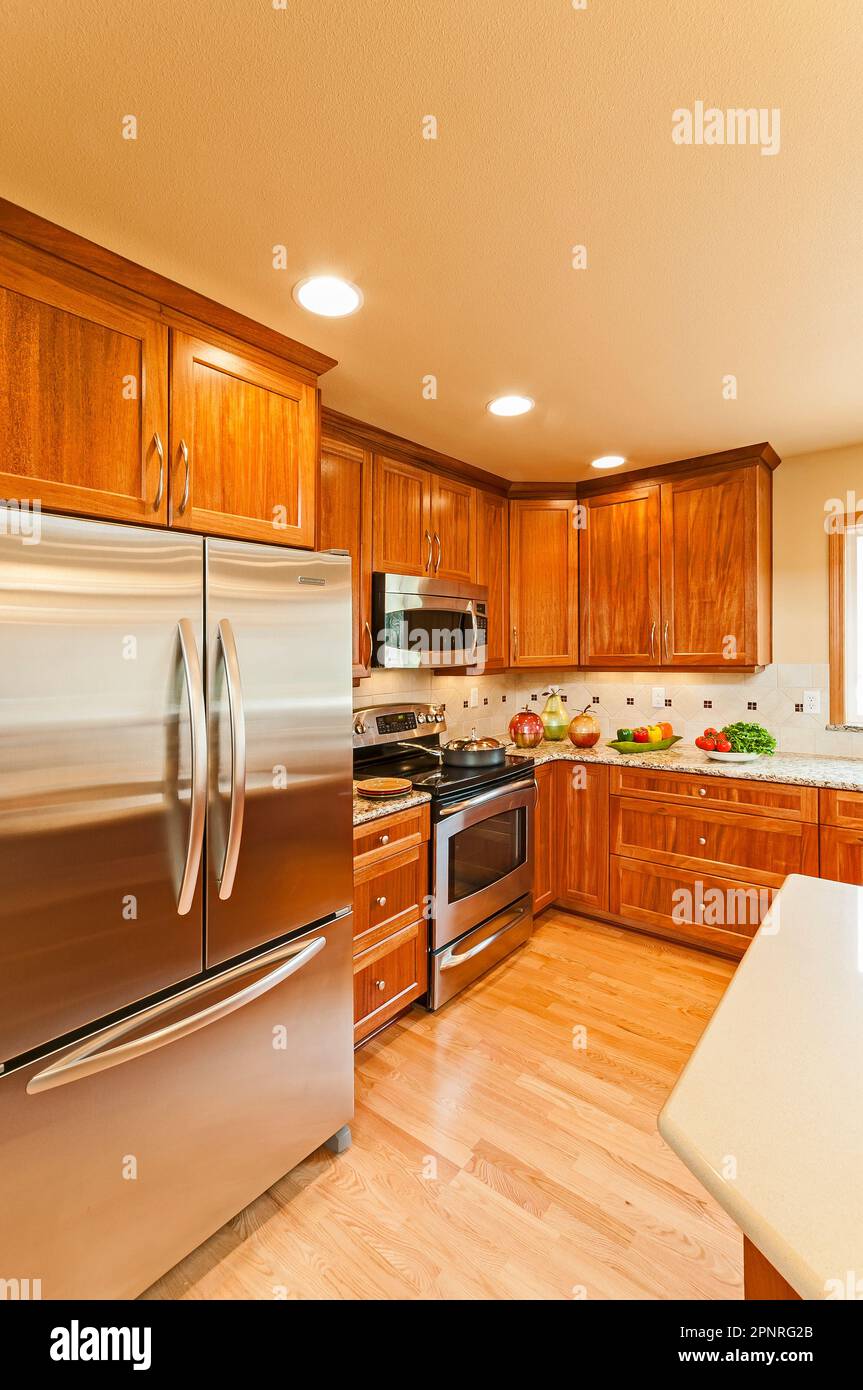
point(238, 757)
point(198, 729)
point(90, 1058)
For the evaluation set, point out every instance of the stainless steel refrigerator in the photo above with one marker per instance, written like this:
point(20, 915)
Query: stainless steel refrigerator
point(175, 888)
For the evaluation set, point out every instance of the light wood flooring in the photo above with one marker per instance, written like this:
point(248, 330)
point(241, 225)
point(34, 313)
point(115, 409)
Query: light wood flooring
point(493, 1159)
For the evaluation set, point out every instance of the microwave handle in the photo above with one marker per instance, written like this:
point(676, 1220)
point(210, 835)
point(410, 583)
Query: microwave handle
point(472, 611)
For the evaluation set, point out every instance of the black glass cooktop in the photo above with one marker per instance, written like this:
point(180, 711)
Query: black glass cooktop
point(443, 782)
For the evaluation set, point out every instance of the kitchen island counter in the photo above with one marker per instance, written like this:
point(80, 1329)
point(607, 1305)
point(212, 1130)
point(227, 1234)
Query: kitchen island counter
point(768, 1113)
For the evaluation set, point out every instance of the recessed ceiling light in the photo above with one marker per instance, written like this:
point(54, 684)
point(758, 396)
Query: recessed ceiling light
point(328, 295)
point(608, 461)
point(510, 405)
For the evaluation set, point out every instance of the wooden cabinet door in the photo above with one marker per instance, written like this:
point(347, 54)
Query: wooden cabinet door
point(842, 854)
point(388, 977)
point(83, 393)
point(710, 569)
point(402, 518)
point(345, 523)
point(545, 832)
point(453, 522)
point(543, 583)
point(619, 579)
point(244, 437)
point(583, 849)
point(492, 570)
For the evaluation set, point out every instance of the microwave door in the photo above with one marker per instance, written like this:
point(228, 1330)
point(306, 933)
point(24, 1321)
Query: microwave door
point(101, 815)
point(428, 630)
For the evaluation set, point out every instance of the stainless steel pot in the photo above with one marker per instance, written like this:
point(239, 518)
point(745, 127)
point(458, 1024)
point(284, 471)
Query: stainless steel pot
point(465, 752)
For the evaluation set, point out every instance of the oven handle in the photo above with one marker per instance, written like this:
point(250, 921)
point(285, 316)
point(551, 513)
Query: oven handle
point(449, 960)
point(489, 796)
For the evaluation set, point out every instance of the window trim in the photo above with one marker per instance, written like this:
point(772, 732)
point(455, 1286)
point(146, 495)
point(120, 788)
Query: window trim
point(837, 580)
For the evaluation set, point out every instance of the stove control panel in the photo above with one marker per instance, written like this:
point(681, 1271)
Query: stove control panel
point(382, 724)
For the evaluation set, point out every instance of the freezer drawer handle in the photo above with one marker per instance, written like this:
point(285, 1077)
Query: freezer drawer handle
point(238, 757)
point(82, 1062)
point(449, 960)
point(198, 728)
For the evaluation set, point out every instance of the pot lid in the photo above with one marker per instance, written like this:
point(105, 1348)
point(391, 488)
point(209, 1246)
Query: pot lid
point(474, 744)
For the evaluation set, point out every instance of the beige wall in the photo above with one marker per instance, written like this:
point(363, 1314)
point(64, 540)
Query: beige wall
point(801, 486)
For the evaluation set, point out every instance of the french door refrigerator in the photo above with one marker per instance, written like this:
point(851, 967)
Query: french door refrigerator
point(175, 889)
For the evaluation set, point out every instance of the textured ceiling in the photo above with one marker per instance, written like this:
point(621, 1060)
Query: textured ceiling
point(302, 126)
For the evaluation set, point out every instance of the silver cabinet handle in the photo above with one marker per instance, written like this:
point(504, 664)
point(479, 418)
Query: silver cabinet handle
point(88, 1058)
point(439, 552)
point(368, 633)
point(227, 641)
point(160, 490)
point(184, 501)
point(384, 839)
point(702, 791)
point(381, 902)
point(430, 546)
point(665, 640)
point(515, 644)
point(449, 960)
point(652, 641)
point(702, 839)
point(381, 984)
point(198, 728)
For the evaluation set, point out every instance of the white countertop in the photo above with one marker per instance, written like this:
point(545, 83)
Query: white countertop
point(774, 1089)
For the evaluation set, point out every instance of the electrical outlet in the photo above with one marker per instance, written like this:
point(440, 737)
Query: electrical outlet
point(658, 698)
point(812, 702)
point(474, 697)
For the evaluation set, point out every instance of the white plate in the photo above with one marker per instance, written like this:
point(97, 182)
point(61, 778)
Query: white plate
point(733, 757)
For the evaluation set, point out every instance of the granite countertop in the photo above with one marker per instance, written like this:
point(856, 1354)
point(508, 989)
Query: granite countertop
point(801, 769)
point(365, 810)
point(768, 1113)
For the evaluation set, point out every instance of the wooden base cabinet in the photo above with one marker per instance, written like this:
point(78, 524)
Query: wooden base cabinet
point(583, 851)
point(390, 917)
point(842, 836)
point(546, 832)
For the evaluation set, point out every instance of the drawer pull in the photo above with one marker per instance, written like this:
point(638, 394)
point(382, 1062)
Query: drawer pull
point(702, 839)
point(383, 839)
point(381, 984)
point(381, 902)
point(702, 791)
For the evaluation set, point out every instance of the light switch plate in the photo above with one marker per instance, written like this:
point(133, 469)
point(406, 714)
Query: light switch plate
point(812, 702)
point(474, 697)
point(658, 698)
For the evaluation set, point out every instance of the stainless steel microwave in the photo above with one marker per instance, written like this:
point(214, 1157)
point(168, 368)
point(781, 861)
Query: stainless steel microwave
point(428, 622)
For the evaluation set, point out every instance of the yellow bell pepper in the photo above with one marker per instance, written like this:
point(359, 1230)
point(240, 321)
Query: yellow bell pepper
point(654, 733)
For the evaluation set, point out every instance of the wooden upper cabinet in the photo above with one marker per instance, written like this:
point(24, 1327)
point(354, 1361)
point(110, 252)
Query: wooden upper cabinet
point(402, 518)
point(345, 523)
point(492, 570)
point(543, 590)
point(83, 392)
point(619, 579)
point(453, 522)
point(248, 424)
point(716, 569)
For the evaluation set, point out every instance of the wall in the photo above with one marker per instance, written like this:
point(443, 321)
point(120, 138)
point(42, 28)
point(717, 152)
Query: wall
point(802, 486)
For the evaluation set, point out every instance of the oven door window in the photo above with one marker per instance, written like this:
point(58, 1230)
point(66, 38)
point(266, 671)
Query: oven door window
point(485, 853)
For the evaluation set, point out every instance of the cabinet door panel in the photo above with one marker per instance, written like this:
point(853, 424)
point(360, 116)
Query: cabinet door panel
point(583, 871)
point(842, 854)
point(388, 977)
point(619, 579)
point(402, 518)
point(545, 830)
point(492, 570)
point(710, 569)
point(251, 434)
point(83, 393)
point(543, 583)
point(345, 523)
point(453, 517)
point(721, 914)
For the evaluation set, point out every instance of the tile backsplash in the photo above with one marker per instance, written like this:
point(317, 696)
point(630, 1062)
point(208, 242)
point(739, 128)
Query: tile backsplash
point(692, 700)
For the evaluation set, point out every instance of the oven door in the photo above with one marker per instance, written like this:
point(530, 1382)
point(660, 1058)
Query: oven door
point(429, 630)
point(483, 857)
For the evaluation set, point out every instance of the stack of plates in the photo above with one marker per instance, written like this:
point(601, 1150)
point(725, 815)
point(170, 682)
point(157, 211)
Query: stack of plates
point(376, 787)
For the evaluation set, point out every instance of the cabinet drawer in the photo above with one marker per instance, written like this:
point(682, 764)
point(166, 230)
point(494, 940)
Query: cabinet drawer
point(755, 849)
point(842, 854)
point(719, 913)
point(388, 977)
point(378, 839)
point(389, 895)
point(842, 808)
point(779, 800)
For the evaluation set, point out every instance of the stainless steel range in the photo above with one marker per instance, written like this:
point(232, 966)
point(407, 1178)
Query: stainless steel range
point(481, 845)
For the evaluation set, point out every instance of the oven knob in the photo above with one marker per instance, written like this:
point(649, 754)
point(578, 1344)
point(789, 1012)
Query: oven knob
point(421, 719)
point(359, 725)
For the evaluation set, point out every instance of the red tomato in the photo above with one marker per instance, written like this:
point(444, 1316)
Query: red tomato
point(723, 746)
point(711, 733)
point(708, 744)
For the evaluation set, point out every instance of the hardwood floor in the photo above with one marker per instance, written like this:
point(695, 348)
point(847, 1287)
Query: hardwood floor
point(505, 1147)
